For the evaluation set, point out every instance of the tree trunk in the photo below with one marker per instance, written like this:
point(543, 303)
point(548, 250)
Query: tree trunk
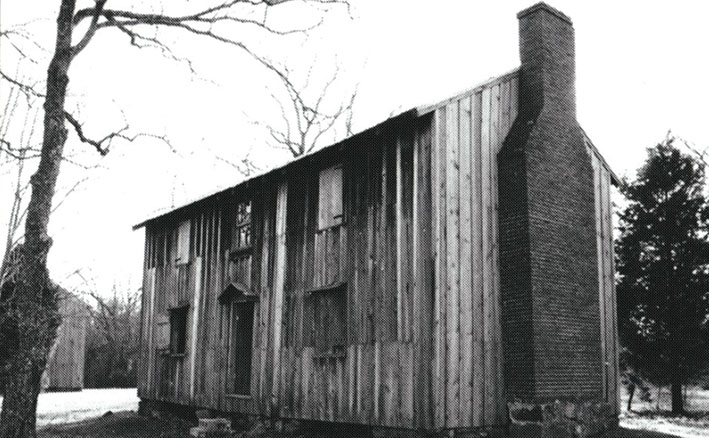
point(677, 399)
point(35, 301)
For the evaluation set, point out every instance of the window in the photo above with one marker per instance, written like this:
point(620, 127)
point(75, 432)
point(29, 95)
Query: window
point(242, 230)
point(178, 330)
point(330, 197)
point(242, 324)
point(330, 321)
point(182, 255)
point(328, 297)
point(158, 249)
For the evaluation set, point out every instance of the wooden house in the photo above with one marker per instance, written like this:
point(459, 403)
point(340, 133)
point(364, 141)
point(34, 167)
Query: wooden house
point(65, 366)
point(448, 269)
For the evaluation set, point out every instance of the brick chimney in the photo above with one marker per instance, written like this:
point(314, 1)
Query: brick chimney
point(548, 259)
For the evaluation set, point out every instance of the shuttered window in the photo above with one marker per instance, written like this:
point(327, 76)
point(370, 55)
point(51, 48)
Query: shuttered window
point(330, 197)
point(182, 255)
point(328, 297)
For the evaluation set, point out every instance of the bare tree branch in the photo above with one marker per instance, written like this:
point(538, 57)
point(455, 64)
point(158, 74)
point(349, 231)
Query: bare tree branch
point(305, 121)
point(28, 90)
point(81, 45)
point(98, 144)
point(103, 145)
point(200, 23)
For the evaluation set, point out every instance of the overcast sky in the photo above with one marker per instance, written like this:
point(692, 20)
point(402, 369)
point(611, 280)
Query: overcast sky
point(641, 70)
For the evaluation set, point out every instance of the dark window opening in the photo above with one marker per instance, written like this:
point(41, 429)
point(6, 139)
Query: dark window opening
point(178, 330)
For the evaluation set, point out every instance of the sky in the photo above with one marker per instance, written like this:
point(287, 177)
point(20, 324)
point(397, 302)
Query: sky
point(641, 71)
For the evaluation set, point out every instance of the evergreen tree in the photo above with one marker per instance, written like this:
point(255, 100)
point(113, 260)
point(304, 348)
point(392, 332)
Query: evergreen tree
point(663, 270)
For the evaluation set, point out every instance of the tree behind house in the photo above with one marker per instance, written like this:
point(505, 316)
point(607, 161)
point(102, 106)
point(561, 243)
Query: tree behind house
point(663, 270)
point(112, 341)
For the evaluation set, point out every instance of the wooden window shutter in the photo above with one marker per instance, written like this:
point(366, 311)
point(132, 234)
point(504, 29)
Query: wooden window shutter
point(330, 197)
point(183, 243)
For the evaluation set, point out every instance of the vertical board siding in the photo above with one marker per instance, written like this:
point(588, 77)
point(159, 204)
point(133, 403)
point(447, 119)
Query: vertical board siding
point(606, 270)
point(467, 368)
point(416, 258)
point(389, 301)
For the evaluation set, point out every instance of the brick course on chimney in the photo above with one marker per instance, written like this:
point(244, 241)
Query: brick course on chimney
point(548, 258)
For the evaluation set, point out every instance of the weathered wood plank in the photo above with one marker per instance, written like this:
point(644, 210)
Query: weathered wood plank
point(399, 244)
point(439, 182)
point(423, 274)
point(279, 271)
point(466, 276)
point(406, 255)
point(486, 148)
point(500, 131)
point(477, 236)
point(194, 332)
point(150, 285)
point(600, 244)
point(452, 260)
point(405, 374)
point(610, 312)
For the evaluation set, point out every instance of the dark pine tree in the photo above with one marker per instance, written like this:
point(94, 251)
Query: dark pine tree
point(663, 270)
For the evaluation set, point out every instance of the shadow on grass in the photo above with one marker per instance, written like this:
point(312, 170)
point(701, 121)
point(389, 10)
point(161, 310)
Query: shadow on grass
point(131, 425)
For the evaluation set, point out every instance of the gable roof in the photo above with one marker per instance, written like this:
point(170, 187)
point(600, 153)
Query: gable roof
point(414, 112)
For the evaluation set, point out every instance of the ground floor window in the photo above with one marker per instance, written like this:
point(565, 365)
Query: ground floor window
point(330, 320)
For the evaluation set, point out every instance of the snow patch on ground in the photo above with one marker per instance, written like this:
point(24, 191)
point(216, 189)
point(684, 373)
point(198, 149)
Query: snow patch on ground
point(68, 407)
point(679, 427)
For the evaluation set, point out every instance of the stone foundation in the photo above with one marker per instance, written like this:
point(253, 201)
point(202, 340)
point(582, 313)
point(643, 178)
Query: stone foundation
point(212, 428)
point(560, 419)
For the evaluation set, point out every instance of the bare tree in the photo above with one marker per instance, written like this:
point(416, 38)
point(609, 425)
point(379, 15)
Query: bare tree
point(113, 337)
point(14, 157)
point(307, 114)
point(35, 307)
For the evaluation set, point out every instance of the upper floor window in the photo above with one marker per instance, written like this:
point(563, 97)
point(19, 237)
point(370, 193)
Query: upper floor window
point(330, 197)
point(182, 255)
point(242, 229)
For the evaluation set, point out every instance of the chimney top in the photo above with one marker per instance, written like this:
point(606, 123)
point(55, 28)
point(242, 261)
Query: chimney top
point(545, 7)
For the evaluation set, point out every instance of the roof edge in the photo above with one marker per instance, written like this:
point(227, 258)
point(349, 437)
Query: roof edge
point(425, 109)
point(246, 182)
point(614, 178)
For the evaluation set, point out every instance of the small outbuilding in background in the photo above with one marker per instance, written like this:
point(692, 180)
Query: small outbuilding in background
point(65, 368)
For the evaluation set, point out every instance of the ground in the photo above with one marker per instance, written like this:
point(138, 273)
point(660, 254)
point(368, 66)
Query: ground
point(130, 425)
point(110, 413)
point(655, 416)
point(68, 407)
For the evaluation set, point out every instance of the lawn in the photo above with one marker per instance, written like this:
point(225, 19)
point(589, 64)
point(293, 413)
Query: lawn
point(656, 416)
